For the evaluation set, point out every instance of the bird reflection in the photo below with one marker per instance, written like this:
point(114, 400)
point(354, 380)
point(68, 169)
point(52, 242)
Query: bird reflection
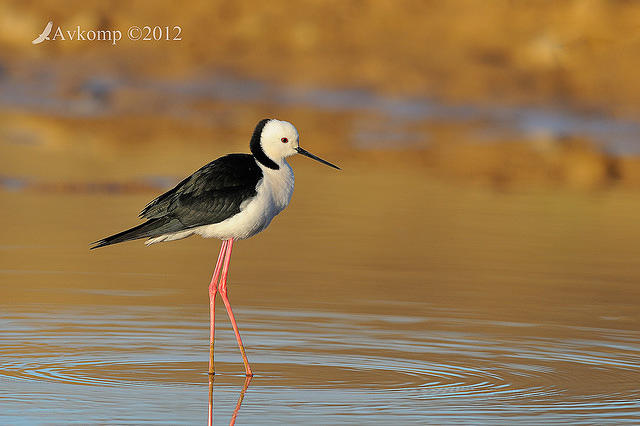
point(238, 404)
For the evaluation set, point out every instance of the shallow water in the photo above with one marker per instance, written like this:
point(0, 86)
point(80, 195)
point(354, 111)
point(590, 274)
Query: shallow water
point(475, 307)
point(146, 364)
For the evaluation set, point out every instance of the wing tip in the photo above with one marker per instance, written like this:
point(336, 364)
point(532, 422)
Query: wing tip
point(98, 244)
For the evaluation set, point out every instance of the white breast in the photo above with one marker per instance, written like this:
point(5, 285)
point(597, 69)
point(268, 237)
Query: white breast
point(274, 192)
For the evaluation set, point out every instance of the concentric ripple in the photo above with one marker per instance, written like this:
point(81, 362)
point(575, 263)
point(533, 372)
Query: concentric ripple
point(140, 355)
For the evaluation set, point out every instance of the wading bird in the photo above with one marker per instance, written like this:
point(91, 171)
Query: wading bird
point(231, 198)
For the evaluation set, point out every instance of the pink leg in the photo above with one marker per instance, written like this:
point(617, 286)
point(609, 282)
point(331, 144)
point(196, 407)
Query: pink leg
point(213, 289)
point(225, 299)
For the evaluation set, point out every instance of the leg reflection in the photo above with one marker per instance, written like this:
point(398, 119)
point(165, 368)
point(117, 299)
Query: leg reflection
point(247, 380)
point(210, 423)
point(232, 422)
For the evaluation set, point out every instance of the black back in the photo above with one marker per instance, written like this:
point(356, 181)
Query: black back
point(210, 195)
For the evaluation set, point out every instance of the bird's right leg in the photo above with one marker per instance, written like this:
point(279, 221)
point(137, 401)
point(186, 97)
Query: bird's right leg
point(213, 289)
point(227, 304)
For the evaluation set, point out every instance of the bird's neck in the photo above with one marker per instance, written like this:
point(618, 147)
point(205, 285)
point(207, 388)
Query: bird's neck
point(282, 167)
point(279, 183)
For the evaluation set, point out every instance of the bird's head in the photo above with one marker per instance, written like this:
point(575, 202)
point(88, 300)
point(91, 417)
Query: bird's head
point(274, 140)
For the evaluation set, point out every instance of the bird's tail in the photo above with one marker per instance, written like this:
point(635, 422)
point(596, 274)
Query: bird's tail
point(151, 228)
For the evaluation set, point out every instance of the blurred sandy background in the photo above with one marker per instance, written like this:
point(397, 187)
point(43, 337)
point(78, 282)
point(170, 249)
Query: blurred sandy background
point(498, 92)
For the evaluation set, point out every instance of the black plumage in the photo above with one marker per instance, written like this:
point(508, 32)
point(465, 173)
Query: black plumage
point(210, 195)
point(256, 147)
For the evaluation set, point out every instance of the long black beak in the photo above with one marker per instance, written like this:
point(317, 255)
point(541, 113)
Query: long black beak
point(310, 155)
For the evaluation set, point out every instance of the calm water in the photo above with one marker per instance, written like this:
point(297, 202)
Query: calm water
point(476, 307)
point(378, 296)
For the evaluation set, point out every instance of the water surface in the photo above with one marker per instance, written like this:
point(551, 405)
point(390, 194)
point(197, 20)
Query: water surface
point(474, 307)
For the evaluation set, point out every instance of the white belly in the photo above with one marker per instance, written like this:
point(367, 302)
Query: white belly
point(274, 192)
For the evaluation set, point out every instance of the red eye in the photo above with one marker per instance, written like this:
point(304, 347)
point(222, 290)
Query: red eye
point(284, 140)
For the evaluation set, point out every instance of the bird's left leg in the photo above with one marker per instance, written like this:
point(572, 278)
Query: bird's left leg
point(225, 299)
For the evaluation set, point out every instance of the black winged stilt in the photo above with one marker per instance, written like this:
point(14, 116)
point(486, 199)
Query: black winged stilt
point(231, 198)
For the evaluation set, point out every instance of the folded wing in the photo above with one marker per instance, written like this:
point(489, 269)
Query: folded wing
point(212, 194)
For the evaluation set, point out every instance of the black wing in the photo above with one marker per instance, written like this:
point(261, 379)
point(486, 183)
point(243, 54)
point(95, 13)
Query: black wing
point(210, 195)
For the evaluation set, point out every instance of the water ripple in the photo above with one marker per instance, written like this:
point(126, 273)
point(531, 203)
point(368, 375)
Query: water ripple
point(451, 368)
